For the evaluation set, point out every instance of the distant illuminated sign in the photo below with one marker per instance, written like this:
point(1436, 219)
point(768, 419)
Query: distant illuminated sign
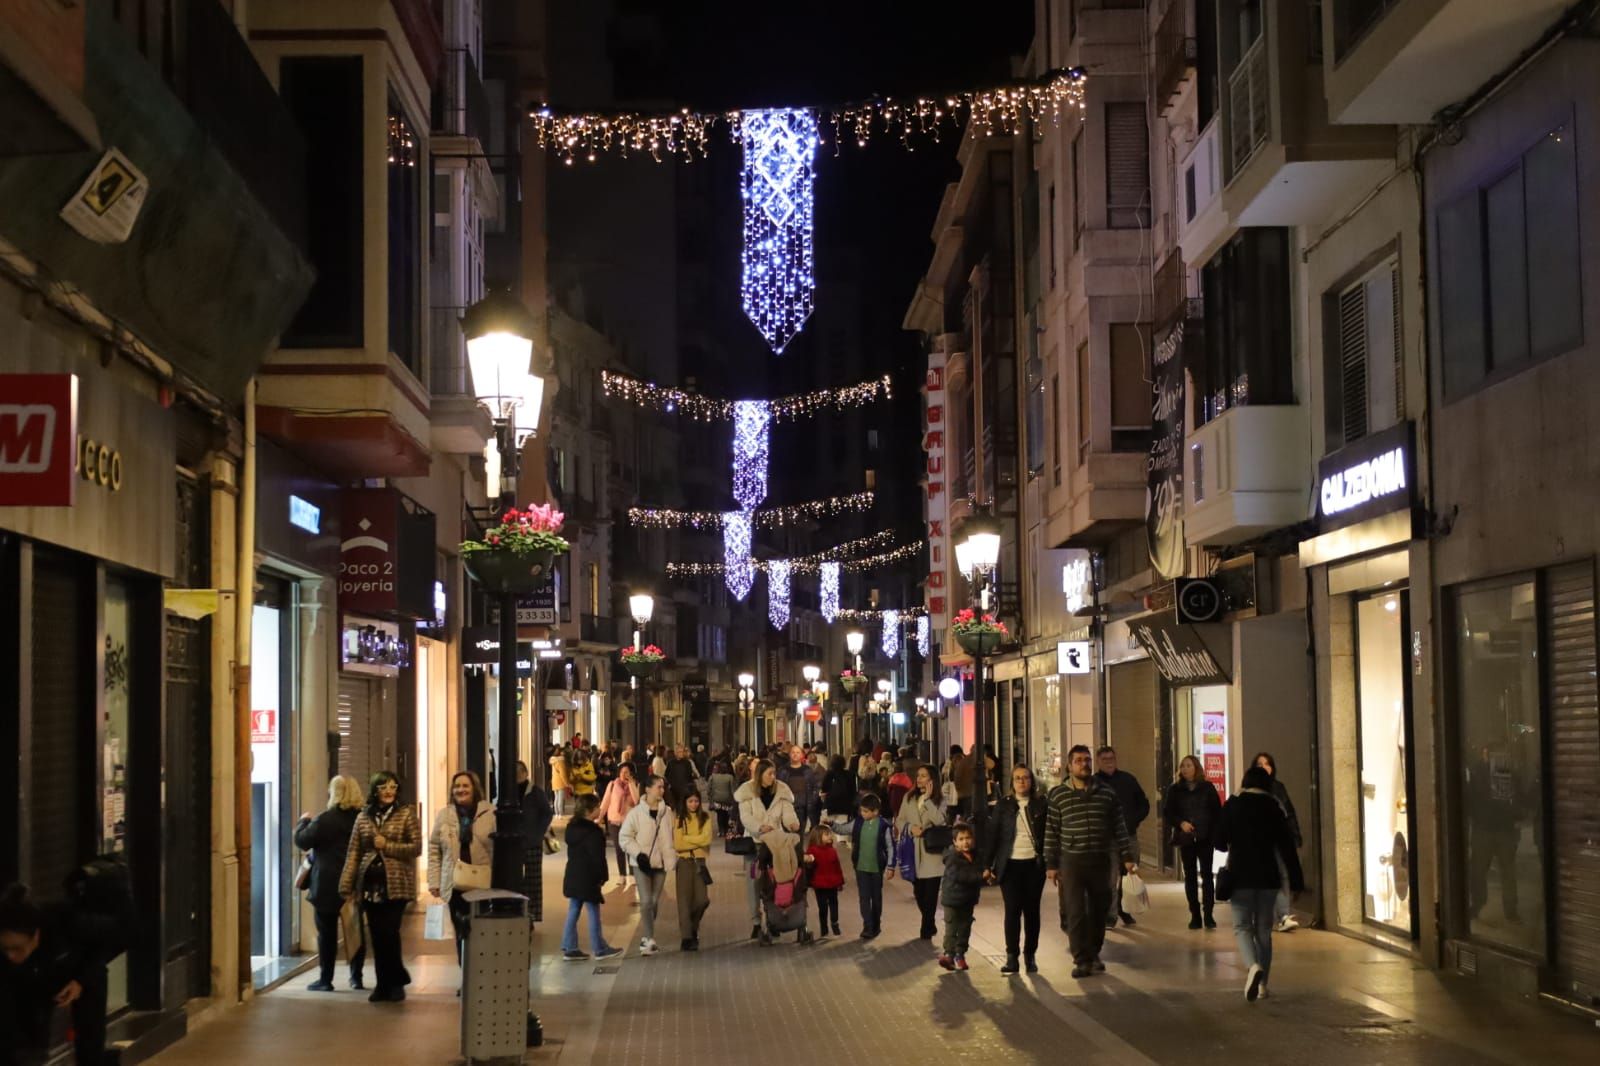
point(1075, 582)
point(303, 514)
point(1382, 476)
point(1072, 657)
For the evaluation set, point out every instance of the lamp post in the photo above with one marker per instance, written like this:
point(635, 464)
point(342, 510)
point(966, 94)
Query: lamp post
point(747, 703)
point(821, 689)
point(642, 605)
point(499, 334)
point(811, 672)
point(977, 554)
point(854, 641)
point(885, 702)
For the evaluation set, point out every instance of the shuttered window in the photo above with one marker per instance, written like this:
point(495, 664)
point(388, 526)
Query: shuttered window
point(1131, 729)
point(60, 784)
point(1127, 166)
point(356, 729)
point(1365, 370)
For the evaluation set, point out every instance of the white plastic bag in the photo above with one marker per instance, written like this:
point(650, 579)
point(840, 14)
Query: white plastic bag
point(433, 925)
point(1135, 897)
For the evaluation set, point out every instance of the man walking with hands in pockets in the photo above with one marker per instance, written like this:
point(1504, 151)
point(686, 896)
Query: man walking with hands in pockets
point(1084, 829)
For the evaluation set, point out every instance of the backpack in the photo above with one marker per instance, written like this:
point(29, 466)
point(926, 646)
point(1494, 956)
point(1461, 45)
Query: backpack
point(101, 894)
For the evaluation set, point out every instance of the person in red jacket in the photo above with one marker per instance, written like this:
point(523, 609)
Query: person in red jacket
point(827, 877)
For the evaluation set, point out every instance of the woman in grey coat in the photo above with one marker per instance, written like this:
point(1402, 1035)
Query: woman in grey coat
point(922, 809)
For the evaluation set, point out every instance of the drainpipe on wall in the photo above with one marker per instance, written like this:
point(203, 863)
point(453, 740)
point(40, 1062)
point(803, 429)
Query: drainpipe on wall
point(244, 604)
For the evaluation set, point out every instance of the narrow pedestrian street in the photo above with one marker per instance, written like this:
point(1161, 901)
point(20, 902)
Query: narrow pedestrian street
point(1169, 996)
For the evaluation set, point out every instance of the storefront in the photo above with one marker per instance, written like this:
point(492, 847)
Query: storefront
point(1361, 572)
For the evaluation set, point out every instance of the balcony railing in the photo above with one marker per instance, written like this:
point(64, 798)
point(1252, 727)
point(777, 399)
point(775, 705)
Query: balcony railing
point(599, 629)
point(1175, 52)
point(1249, 106)
point(460, 105)
point(447, 353)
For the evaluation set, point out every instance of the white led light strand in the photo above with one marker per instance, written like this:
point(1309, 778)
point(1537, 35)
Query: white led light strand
point(738, 568)
point(751, 420)
point(891, 635)
point(780, 146)
point(778, 593)
point(924, 635)
point(830, 591)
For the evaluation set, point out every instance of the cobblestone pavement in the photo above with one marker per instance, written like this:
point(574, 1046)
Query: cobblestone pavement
point(1170, 996)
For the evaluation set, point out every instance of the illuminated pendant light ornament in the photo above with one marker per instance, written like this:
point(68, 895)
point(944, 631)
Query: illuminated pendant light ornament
point(739, 570)
point(751, 421)
point(924, 635)
point(778, 593)
point(830, 592)
point(891, 635)
point(780, 147)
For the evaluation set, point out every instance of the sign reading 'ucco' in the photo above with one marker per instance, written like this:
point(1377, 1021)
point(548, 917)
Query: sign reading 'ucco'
point(1372, 476)
point(933, 443)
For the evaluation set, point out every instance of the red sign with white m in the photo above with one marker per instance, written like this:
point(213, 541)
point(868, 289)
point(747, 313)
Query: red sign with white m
point(38, 428)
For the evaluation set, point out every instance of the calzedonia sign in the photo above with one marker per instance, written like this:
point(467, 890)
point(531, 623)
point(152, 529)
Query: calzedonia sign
point(1372, 476)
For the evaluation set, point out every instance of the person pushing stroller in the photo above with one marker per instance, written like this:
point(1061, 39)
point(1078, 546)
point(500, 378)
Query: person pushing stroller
point(781, 882)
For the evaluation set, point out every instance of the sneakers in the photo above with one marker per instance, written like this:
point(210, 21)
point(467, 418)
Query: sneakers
point(1253, 982)
point(574, 956)
point(648, 947)
point(320, 986)
point(946, 962)
point(607, 952)
point(961, 962)
point(1263, 993)
point(1030, 964)
point(1286, 924)
point(1011, 965)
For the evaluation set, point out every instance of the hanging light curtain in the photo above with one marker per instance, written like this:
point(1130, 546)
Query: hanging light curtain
point(739, 570)
point(780, 147)
point(830, 592)
point(891, 635)
point(778, 593)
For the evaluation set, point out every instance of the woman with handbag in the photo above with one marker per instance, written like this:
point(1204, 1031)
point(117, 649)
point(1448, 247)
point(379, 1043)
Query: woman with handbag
point(461, 849)
point(1255, 833)
point(1190, 812)
point(1013, 854)
point(325, 839)
point(922, 816)
point(765, 804)
point(380, 870)
point(691, 838)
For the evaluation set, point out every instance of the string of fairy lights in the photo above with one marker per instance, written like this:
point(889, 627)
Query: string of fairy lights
point(765, 518)
point(806, 565)
point(998, 110)
point(667, 400)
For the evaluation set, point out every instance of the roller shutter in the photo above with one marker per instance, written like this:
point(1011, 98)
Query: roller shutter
point(1132, 731)
point(59, 783)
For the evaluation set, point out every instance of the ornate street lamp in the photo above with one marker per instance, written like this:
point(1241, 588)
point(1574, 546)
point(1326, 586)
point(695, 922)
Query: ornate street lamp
point(977, 555)
point(747, 703)
point(643, 606)
point(854, 641)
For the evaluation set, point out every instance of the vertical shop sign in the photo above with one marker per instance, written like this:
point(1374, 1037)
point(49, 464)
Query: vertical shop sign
point(368, 554)
point(1164, 481)
point(1214, 750)
point(933, 443)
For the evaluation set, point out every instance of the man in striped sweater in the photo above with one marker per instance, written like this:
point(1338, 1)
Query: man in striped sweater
point(1084, 828)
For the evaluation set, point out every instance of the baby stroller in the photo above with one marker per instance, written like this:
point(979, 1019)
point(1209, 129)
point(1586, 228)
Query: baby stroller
point(783, 903)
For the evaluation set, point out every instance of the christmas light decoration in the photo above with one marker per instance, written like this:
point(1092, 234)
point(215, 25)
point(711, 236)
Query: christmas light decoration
point(778, 593)
point(779, 193)
point(890, 640)
point(739, 568)
point(872, 562)
point(924, 635)
point(829, 594)
point(999, 110)
point(710, 409)
point(768, 518)
point(809, 564)
point(861, 617)
point(751, 420)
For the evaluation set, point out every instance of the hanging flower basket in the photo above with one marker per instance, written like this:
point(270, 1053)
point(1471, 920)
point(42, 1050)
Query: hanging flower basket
point(641, 662)
point(978, 636)
point(518, 555)
point(852, 681)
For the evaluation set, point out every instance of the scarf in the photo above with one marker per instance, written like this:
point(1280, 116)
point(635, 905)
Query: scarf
point(464, 820)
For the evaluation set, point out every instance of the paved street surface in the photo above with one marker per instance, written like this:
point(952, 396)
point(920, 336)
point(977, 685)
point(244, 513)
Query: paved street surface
point(1170, 996)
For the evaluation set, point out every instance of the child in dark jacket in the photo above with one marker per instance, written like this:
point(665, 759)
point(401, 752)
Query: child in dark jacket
point(964, 877)
point(827, 877)
point(872, 860)
point(584, 881)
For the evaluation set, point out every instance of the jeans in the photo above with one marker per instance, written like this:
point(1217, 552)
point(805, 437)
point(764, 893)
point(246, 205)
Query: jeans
point(827, 904)
point(957, 930)
point(1021, 886)
point(613, 832)
point(1085, 902)
point(383, 919)
point(559, 805)
point(1252, 925)
point(869, 889)
point(569, 935)
point(1197, 882)
point(926, 889)
point(651, 886)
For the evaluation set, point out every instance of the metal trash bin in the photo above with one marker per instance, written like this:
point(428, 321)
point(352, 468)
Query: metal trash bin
point(494, 983)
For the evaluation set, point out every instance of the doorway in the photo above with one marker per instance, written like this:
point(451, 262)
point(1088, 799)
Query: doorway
point(1383, 724)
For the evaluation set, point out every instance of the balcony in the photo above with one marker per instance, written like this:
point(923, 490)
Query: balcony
point(1402, 61)
point(460, 105)
point(1285, 163)
point(600, 629)
point(1202, 223)
point(1174, 56)
point(1245, 474)
point(1102, 497)
point(457, 425)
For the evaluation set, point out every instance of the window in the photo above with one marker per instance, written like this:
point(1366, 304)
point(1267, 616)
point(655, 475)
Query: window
point(1351, 21)
point(1083, 402)
point(1248, 332)
point(871, 479)
point(1364, 372)
point(1052, 236)
point(1056, 429)
point(591, 582)
point(1130, 386)
point(1034, 409)
point(1077, 189)
point(1127, 166)
point(1508, 276)
point(405, 238)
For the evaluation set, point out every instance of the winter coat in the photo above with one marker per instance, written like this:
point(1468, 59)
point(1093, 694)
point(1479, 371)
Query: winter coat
point(753, 814)
point(826, 872)
point(962, 880)
point(403, 836)
point(918, 810)
point(1255, 833)
point(721, 787)
point(327, 837)
point(900, 784)
point(1085, 822)
point(558, 773)
point(839, 792)
point(620, 798)
point(582, 778)
point(803, 782)
point(885, 847)
point(587, 872)
point(649, 836)
point(689, 841)
point(1004, 825)
point(1135, 804)
point(536, 819)
point(1198, 805)
point(680, 781)
point(444, 845)
point(1281, 794)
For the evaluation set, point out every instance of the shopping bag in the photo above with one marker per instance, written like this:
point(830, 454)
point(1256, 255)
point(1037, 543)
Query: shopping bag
point(1135, 897)
point(905, 856)
point(433, 925)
